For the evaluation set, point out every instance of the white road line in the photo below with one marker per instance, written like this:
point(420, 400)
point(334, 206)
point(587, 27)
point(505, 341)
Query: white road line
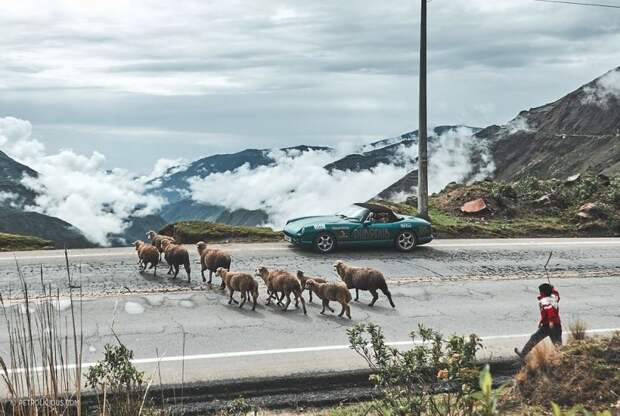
point(195, 357)
point(438, 244)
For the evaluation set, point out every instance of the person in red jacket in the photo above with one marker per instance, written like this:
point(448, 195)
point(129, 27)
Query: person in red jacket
point(550, 324)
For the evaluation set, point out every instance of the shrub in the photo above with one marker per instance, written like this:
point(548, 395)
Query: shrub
point(578, 330)
point(116, 376)
point(435, 377)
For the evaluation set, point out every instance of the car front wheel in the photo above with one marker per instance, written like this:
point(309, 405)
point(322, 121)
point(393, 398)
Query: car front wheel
point(405, 240)
point(325, 243)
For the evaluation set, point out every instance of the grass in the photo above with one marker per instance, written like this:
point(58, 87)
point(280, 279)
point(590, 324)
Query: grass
point(193, 231)
point(578, 330)
point(14, 242)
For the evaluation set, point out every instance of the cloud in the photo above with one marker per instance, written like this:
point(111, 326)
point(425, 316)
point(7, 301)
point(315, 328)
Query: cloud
point(518, 124)
point(604, 89)
point(77, 188)
point(297, 185)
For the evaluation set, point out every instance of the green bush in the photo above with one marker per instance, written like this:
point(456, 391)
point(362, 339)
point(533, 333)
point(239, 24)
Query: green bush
point(436, 377)
point(118, 383)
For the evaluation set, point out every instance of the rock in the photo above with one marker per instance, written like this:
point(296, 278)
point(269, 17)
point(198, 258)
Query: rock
point(603, 179)
point(573, 179)
point(590, 210)
point(475, 206)
point(543, 200)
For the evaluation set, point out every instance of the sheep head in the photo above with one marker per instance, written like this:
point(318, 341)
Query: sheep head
point(201, 246)
point(262, 272)
point(340, 266)
point(137, 244)
point(310, 283)
point(221, 272)
point(165, 244)
point(300, 274)
point(151, 235)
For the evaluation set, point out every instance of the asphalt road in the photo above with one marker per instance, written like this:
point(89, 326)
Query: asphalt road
point(110, 271)
point(486, 287)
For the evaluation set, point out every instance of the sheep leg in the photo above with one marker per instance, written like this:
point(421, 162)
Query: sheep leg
point(328, 307)
point(202, 272)
point(288, 301)
point(303, 303)
point(280, 299)
point(243, 299)
point(254, 298)
point(387, 293)
point(155, 272)
point(176, 271)
point(348, 310)
point(269, 298)
point(310, 291)
point(230, 299)
point(325, 304)
point(188, 271)
point(357, 294)
point(375, 296)
point(210, 275)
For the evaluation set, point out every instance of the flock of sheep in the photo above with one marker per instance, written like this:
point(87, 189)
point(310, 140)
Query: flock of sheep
point(280, 283)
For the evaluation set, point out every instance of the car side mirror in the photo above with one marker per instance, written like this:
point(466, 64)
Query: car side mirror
point(367, 222)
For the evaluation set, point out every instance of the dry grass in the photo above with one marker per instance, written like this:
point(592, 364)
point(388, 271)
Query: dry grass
point(578, 330)
point(582, 372)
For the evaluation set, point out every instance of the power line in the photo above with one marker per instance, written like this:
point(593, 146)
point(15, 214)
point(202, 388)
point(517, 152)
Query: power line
point(580, 3)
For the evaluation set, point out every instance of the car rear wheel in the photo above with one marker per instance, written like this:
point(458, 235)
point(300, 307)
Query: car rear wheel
point(325, 243)
point(405, 240)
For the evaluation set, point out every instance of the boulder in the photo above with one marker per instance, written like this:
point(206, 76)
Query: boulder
point(590, 210)
point(573, 179)
point(475, 206)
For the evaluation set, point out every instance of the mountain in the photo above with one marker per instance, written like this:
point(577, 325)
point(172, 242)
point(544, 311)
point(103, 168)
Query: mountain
point(17, 221)
point(394, 154)
point(413, 135)
point(12, 192)
point(394, 151)
point(175, 188)
point(579, 133)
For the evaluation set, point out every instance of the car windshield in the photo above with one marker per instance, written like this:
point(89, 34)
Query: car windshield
point(354, 212)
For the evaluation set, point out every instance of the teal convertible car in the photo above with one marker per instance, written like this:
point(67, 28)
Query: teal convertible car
point(359, 225)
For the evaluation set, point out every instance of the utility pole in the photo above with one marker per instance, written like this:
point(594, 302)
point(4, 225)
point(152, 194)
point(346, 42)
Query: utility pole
point(422, 132)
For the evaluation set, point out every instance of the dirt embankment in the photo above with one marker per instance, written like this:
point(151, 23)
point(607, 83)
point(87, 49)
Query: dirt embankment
point(580, 206)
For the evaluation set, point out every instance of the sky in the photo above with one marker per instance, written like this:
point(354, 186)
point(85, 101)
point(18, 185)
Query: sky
point(138, 81)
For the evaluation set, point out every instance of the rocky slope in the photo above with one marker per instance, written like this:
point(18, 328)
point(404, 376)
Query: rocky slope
point(579, 133)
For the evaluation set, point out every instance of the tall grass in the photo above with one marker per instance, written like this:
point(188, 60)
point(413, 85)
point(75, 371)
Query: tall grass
point(41, 375)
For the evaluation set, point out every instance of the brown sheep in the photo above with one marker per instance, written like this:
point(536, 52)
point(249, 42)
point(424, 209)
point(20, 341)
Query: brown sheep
point(303, 279)
point(147, 254)
point(363, 278)
point(212, 259)
point(241, 282)
point(280, 281)
point(336, 291)
point(158, 239)
point(176, 255)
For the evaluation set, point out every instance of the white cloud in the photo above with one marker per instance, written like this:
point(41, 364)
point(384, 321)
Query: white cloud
point(77, 188)
point(518, 124)
point(606, 88)
point(297, 185)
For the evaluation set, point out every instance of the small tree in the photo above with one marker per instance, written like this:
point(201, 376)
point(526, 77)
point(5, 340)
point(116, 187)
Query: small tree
point(116, 376)
point(435, 377)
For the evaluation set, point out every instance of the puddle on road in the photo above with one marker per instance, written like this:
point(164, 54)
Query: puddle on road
point(155, 300)
point(186, 303)
point(133, 308)
point(61, 304)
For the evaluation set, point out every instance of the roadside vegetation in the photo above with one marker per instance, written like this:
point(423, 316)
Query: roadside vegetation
point(14, 242)
point(191, 232)
point(581, 206)
point(440, 376)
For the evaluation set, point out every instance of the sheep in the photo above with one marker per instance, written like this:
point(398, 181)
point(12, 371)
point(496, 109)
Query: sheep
point(241, 282)
point(303, 279)
point(363, 278)
point(158, 239)
point(212, 259)
point(147, 254)
point(283, 282)
point(176, 255)
point(336, 291)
